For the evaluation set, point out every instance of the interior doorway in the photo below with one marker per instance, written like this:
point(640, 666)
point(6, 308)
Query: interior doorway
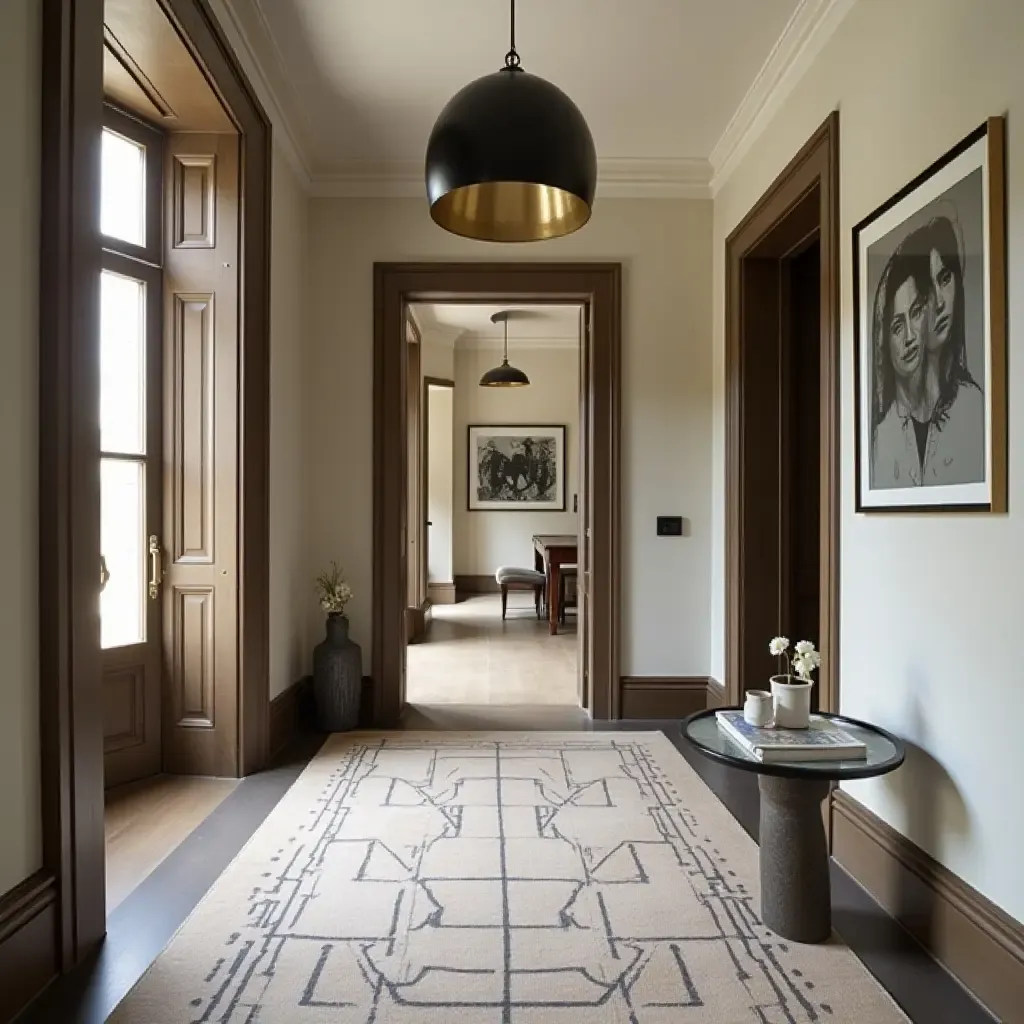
point(495, 505)
point(800, 442)
point(592, 293)
point(782, 423)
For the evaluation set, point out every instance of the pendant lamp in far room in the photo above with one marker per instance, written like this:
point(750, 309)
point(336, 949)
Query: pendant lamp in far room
point(511, 158)
point(504, 376)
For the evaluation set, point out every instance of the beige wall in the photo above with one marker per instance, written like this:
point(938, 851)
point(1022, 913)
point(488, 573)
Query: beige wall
point(437, 358)
point(21, 840)
point(486, 540)
point(930, 605)
point(291, 588)
point(664, 246)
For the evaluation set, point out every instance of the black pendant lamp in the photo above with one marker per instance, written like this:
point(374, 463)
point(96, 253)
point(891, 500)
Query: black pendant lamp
point(511, 159)
point(504, 376)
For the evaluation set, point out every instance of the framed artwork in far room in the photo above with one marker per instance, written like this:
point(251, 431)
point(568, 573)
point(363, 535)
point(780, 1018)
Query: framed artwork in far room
point(930, 337)
point(516, 468)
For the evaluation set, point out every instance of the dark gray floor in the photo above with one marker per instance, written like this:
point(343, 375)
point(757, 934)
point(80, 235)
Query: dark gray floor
point(144, 923)
point(146, 920)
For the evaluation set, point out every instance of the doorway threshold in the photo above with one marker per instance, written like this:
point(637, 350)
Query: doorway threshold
point(495, 717)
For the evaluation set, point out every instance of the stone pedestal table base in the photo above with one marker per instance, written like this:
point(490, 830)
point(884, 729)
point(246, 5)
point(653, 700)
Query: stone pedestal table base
point(796, 898)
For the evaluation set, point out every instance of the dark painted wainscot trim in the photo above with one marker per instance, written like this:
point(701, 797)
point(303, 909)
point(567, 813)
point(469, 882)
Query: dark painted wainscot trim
point(466, 585)
point(969, 935)
point(28, 941)
point(658, 697)
point(293, 713)
point(716, 693)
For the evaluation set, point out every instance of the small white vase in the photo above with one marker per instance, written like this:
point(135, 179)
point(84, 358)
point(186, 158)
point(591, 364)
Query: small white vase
point(792, 698)
point(759, 708)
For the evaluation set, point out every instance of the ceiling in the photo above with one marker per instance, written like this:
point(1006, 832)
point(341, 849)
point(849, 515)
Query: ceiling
point(361, 82)
point(468, 324)
point(148, 70)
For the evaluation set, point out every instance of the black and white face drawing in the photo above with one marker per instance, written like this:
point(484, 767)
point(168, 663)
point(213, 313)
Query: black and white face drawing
point(925, 393)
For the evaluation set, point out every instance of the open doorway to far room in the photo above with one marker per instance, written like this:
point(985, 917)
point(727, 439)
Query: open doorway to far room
point(400, 608)
point(493, 475)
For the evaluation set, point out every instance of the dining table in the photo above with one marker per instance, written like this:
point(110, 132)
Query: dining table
point(552, 551)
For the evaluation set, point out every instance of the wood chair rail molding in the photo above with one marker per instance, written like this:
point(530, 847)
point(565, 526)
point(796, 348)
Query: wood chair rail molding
point(803, 200)
point(395, 285)
point(57, 923)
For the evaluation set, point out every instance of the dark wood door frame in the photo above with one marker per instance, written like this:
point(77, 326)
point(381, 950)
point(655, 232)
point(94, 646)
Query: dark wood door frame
point(70, 886)
point(395, 285)
point(802, 203)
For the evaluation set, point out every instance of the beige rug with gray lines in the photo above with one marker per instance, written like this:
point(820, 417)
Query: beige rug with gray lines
point(497, 878)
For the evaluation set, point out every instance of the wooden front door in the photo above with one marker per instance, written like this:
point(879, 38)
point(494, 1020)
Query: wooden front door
point(130, 451)
point(130, 486)
point(201, 413)
point(170, 370)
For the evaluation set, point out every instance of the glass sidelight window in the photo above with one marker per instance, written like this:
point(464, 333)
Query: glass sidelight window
point(129, 355)
point(123, 189)
point(123, 459)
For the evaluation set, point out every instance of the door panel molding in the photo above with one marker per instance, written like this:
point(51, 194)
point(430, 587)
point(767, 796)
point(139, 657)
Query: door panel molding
point(129, 684)
point(192, 660)
point(395, 286)
point(194, 201)
point(191, 413)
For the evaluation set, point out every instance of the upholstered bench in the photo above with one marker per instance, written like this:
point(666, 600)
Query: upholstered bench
point(514, 578)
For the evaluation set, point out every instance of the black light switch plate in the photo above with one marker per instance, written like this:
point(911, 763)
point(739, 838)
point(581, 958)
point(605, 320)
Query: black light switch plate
point(670, 526)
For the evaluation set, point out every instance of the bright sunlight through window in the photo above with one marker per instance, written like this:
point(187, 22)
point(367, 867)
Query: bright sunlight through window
point(122, 470)
point(123, 189)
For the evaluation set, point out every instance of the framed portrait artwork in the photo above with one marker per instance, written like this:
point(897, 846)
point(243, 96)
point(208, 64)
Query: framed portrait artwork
point(930, 337)
point(516, 468)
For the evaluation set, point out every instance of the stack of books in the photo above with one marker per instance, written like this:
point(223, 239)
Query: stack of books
point(822, 741)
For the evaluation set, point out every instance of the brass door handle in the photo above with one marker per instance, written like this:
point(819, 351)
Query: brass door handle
point(156, 572)
point(104, 573)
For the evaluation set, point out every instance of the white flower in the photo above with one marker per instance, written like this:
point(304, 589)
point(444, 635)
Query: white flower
point(805, 664)
point(334, 592)
point(805, 647)
point(778, 646)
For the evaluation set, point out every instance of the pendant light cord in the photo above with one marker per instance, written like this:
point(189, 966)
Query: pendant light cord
point(512, 57)
point(505, 360)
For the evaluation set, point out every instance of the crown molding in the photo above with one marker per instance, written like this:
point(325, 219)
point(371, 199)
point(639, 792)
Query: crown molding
point(808, 29)
point(616, 179)
point(654, 178)
point(441, 335)
point(246, 29)
point(811, 25)
point(364, 179)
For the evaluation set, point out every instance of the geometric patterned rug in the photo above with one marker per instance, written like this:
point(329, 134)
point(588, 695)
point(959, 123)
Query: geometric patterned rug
point(497, 878)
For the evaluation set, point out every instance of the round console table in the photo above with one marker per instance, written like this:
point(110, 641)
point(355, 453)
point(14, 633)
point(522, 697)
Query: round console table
point(796, 900)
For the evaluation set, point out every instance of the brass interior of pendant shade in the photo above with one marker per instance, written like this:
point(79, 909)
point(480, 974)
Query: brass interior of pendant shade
point(510, 211)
